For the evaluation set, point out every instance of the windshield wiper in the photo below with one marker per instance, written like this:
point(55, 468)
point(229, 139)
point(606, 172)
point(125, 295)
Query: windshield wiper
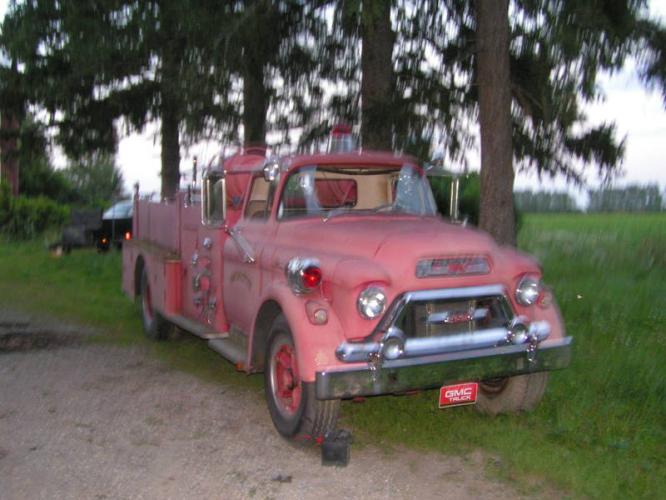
point(388, 207)
point(335, 212)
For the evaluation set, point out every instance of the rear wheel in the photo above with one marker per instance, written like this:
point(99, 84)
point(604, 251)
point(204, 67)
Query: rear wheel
point(511, 394)
point(154, 325)
point(292, 404)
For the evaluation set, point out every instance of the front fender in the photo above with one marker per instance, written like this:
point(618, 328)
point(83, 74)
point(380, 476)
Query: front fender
point(553, 316)
point(315, 344)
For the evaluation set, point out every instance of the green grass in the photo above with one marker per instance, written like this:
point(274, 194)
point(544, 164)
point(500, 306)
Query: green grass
point(85, 287)
point(601, 429)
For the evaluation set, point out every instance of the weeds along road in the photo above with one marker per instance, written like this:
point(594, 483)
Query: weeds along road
point(87, 420)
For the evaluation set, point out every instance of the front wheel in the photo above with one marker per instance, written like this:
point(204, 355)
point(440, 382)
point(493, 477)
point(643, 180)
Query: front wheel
point(511, 394)
point(294, 409)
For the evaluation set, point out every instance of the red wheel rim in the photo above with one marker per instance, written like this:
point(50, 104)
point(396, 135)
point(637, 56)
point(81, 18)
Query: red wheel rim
point(286, 380)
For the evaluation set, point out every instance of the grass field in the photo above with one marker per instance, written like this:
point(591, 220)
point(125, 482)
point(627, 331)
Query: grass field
point(601, 429)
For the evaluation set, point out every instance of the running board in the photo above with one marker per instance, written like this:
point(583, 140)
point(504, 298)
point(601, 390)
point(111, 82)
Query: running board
point(229, 349)
point(201, 330)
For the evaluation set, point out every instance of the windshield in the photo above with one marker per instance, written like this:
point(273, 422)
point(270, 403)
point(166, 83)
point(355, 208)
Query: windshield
point(330, 190)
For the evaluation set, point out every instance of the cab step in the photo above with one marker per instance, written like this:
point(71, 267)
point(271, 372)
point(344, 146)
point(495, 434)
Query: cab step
point(230, 349)
point(206, 332)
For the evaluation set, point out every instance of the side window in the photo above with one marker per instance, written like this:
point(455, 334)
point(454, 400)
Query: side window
point(213, 204)
point(299, 196)
point(259, 203)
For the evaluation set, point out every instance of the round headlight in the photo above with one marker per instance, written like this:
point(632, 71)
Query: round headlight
point(528, 290)
point(371, 302)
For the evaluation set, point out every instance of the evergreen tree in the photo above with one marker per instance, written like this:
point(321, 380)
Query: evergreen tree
point(545, 201)
point(96, 179)
point(361, 47)
point(556, 50)
point(89, 64)
point(632, 198)
point(37, 176)
point(273, 48)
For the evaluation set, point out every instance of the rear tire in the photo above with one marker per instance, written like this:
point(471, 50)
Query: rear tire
point(511, 394)
point(154, 325)
point(294, 409)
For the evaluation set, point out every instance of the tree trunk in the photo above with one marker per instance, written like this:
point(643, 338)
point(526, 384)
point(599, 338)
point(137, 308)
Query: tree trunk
point(493, 79)
point(377, 74)
point(170, 149)
point(172, 54)
point(9, 167)
point(255, 104)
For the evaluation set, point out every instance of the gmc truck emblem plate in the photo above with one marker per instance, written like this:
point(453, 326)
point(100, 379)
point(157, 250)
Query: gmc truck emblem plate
point(458, 394)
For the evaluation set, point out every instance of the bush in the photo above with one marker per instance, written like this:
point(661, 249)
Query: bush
point(24, 218)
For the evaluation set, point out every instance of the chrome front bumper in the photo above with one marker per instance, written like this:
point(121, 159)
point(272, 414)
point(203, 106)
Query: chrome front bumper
point(538, 331)
point(427, 372)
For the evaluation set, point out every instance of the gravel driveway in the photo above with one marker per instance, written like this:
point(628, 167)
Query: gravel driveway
point(82, 420)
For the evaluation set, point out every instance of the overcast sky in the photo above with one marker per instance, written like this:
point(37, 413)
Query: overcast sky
point(639, 115)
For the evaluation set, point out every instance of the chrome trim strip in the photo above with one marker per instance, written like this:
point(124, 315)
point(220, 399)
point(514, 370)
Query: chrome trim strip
point(427, 372)
point(455, 293)
point(242, 244)
point(351, 352)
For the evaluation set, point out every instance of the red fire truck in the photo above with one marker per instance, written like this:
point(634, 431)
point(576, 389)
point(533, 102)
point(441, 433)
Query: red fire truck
point(334, 275)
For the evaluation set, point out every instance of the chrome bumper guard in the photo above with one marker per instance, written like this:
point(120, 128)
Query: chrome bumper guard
point(430, 371)
point(351, 352)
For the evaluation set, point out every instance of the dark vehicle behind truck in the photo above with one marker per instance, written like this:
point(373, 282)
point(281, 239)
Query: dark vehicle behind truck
point(116, 225)
point(82, 231)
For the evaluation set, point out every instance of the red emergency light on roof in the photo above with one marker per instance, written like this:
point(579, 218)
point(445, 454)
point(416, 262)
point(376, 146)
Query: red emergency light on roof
point(341, 139)
point(341, 129)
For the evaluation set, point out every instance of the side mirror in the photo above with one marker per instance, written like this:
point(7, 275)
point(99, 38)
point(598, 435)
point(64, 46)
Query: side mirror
point(271, 170)
point(436, 169)
point(214, 198)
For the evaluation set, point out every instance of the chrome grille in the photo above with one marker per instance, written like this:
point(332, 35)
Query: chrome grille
point(445, 312)
point(442, 318)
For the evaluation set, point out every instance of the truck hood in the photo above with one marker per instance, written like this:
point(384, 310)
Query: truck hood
point(355, 252)
point(431, 237)
point(395, 243)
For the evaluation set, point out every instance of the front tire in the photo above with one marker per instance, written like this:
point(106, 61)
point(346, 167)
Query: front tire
point(154, 325)
point(294, 409)
point(511, 394)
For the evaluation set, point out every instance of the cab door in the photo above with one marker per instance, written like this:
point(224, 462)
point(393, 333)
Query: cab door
point(203, 264)
point(247, 255)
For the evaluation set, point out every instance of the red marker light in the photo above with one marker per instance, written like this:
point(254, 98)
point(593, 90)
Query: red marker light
point(341, 140)
point(128, 236)
point(341, 129)
point(311, 277)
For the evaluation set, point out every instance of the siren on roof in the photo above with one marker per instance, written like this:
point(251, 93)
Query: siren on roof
point(341, 139)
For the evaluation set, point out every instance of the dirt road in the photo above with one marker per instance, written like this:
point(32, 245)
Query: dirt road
point(81, 420)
